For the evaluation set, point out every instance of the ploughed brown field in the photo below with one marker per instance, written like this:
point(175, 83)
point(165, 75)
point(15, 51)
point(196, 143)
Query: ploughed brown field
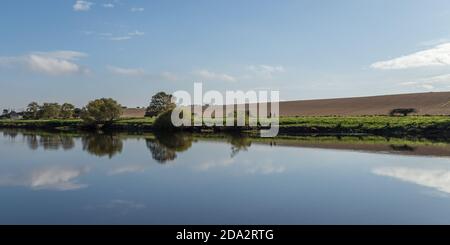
point(432, 103)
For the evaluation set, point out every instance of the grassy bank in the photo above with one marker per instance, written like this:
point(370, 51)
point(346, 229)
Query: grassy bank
point(438, 126)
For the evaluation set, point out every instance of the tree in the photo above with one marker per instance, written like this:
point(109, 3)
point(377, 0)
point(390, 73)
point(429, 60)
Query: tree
point(67, 110)
point(49, 111)
point(403, 111)
point(160, 102)
point(77, 112)
point(101, 111)
point(5, 112)
point(32, 110)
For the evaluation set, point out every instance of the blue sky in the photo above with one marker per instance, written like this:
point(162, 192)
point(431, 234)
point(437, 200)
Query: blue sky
point(76, 51)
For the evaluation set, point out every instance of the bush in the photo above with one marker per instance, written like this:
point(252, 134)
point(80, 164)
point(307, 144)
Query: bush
point(402, 111)
point(163, 122)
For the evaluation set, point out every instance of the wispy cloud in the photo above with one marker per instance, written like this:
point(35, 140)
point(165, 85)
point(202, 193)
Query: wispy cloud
point(51, 63)
point(434, 42)
point(137, 9)
point(108, 5)
point(136, 33)
point(263, 71)
point(126, 71)
point(436, 56)
point(213, 76)
point(430, 83)
point(81, 5)
point(115, 37)
point(121, 38)
point(168, 76)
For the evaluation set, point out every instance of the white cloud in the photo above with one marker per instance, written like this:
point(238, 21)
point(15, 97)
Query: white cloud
point(439, 79)
point(136, 33)
point(108, 5)
point(115, 37)
point(126, 71)
point(434, 42)
point(135, 9)
point(121, 38)
point(169, 76)
point(212, 76)
point(265, 71)
point(51, 63)
point(434, 178)
point(436, 56)
point(430, 83)
point(81, 5)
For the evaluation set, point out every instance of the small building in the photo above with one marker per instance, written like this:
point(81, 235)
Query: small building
point(15, 115)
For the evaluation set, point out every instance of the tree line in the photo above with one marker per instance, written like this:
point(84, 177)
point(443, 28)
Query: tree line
point(99, 111)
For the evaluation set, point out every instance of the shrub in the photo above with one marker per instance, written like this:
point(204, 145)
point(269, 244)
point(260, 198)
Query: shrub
point(402, 111)
point(163, 122)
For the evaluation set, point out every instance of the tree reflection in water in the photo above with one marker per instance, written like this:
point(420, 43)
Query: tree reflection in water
point(11, 133)
point(102, 144)
point(239, 143)
point(54, 142)
point(164, 147)
point(49, 141)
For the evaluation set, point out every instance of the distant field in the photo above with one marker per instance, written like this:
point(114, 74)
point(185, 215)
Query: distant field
point(436, 103)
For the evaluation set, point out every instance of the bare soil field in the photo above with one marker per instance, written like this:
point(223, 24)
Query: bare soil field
point(433, 103)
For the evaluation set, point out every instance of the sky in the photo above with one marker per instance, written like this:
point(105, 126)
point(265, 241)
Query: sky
point(76, 51)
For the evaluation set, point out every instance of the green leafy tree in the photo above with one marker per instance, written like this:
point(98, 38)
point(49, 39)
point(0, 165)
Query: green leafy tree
point(160, 102)
point(67, 110)
point(77, 112)
point(32, 111)
point(49, 111)
point(101, 111)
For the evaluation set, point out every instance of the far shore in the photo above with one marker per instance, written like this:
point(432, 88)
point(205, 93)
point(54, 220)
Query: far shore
point(389, 126)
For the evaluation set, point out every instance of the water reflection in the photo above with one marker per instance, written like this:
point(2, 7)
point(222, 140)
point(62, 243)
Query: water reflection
point(402, 148)
point(286, 180)
point(102, 144)
point(11, 133)
point(164, 147)
point(55, 177)
point(49, 141)
point(239, 143)
point(438, 179)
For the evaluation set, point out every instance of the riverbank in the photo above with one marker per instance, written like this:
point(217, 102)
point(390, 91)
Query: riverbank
point(414, 126)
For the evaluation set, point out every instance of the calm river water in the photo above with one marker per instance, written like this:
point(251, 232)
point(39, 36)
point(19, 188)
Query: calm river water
point(81, 178)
